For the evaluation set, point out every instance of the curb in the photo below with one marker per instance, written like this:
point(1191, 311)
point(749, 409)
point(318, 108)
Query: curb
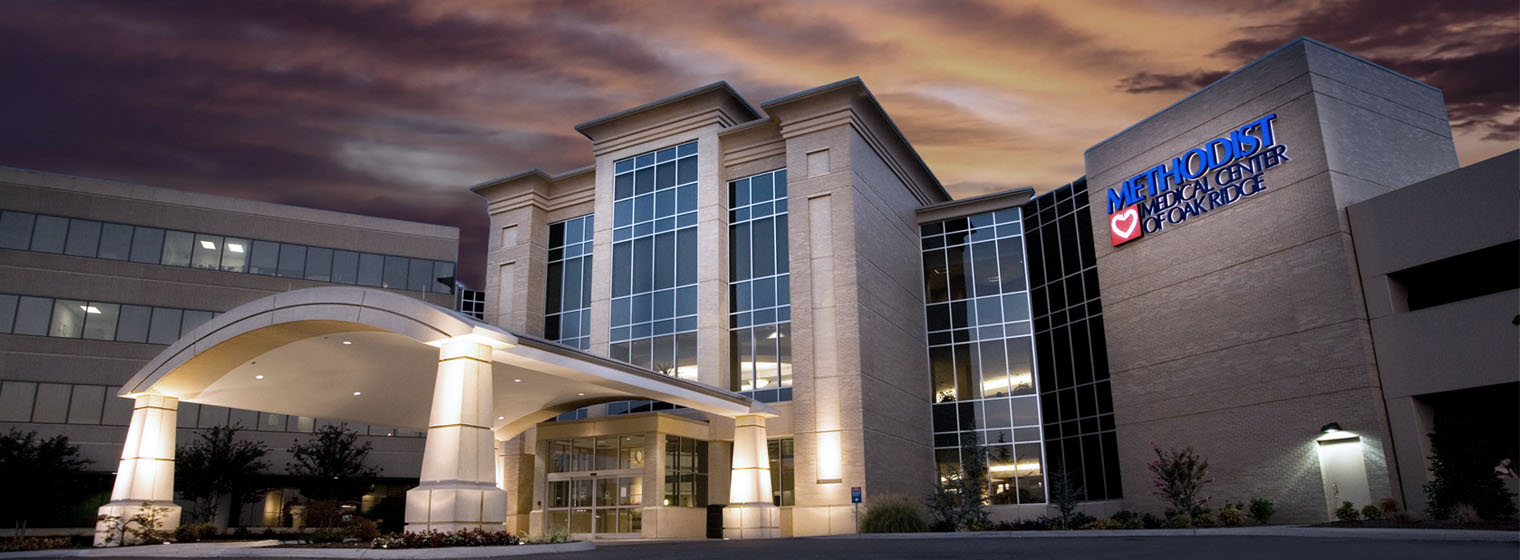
point(264, 549)
point(1279, 531)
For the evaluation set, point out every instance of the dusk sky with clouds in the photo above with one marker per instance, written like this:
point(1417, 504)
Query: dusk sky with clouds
point(395, 108)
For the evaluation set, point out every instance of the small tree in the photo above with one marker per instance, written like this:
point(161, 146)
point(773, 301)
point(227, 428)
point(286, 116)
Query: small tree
point(331, 465)
point(39, 477)
point(1064, 495)
point(1179, 476)
point(973, 490)
point(1461, 468)
point(217, 465)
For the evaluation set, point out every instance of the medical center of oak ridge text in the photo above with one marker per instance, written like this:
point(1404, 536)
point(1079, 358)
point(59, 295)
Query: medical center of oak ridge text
point(1223, 171)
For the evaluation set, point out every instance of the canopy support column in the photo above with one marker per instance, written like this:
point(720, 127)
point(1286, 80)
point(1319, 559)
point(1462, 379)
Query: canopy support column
point(145, 476)
point(458, 483)
point(751, 513)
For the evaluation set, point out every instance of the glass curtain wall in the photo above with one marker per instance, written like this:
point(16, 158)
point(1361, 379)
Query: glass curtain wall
point(1068, 329)
point(596, 485)
point(981, 355)
point(654, 261)
point(567, 290)
point(760, 322)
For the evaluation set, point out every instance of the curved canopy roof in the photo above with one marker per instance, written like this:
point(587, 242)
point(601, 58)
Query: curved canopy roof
point(370, 356)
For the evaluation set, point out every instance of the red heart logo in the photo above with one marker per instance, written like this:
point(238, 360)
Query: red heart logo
point(1124, 225)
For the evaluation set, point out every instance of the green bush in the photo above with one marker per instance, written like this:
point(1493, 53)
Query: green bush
point(1262, 510)
point(1151, 521)
point(363, 529)
point(323, 536)
point(1079, 520)
point(1204, 519)
point(1372, 513)
point(1127, 519)
point(21, 544)
point(1179, 521)
point(195, 532)
point(1347, 512)
point(1232, 515)
point(551, 538)
point(1103, 524)
point(893, 514)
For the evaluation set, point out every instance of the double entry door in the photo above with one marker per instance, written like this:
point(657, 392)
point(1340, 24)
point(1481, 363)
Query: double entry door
point(597, 505)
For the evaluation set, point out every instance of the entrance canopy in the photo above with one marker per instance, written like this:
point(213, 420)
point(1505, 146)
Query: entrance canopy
point(371, 356)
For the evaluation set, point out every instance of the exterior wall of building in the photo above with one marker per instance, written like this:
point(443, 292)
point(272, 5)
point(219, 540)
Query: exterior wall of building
point(1464, 344)
point(1251, 316)
point(96, 369)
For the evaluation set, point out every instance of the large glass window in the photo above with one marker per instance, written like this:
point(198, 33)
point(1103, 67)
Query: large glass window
point(685, 472)
point(654, 261)
point(1075, 396)
point(595, 484)
point(760, 321)
point(783, 457)
point(567, 293)
point(96, 320)
point(981, 354)
point(93, 239)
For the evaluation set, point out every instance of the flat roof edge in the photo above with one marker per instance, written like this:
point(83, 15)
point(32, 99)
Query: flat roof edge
point(720, 85)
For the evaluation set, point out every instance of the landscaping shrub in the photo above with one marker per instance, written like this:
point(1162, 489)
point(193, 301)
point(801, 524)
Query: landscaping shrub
point(1203, 519)
point(1347, 512)
point(363, 529)
point(551, 538)
point(1079, 520)
point(1179, 477)
point(195, 532)
point(22, 544)
point(893, 514)
point(1262, 509)
point(1036, 524)
point(1372, 513)
point(1151, 521)
point(1231, 515)
point(1103, 524)
point(1127, 519)
point(1179, 521)
point(323, 536)
point(462, 537)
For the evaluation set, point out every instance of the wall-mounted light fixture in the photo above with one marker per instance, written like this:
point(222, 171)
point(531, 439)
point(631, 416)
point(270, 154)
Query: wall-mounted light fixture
point(1330, 428)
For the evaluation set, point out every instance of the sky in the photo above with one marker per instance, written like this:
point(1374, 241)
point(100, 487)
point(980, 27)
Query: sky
point(395, 108)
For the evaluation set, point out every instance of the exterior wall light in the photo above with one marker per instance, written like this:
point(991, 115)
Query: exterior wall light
point(1330, 428)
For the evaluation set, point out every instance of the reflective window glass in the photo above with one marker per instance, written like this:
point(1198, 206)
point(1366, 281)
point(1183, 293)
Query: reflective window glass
point(49, 234)
point(420, 275)
point(192, 319)
point(133, 324)
point(16, 398)
point(443, 274)
point(264, 258)
point(7, 312)
point(86, 404)
point(292, 261)
point(100, 320)
point(147, 245)
point(52, 405)
point(371, 269)
point(345, 268)
point(395, 273)
point(319, 264)
point(115, 242)
point(33, 316)
point(177, 248)
point(164, 328)
point(84, 238)
point(16, 230)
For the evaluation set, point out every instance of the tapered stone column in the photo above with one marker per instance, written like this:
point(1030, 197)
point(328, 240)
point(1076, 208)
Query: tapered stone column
point(458, 483)
point(146, 472)
point(750, 512)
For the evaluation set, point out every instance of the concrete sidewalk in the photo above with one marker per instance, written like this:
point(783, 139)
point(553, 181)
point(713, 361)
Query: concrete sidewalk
point(266, 549)
point(1267, 531)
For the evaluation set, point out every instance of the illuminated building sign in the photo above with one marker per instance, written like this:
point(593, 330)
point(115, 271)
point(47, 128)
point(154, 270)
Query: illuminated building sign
point(1225, 170)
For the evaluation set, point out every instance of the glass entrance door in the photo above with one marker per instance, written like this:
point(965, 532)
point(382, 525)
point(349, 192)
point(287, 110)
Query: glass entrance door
point(597, 506)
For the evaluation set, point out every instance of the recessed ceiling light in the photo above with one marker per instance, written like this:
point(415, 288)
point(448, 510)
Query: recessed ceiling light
point(356, 393)
point(348, 342)
point(258, 377)
point(581, 394)
point(208, 244)
point(517, 381)
point(235, 247)
point(501, 417)
point(90, 309)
